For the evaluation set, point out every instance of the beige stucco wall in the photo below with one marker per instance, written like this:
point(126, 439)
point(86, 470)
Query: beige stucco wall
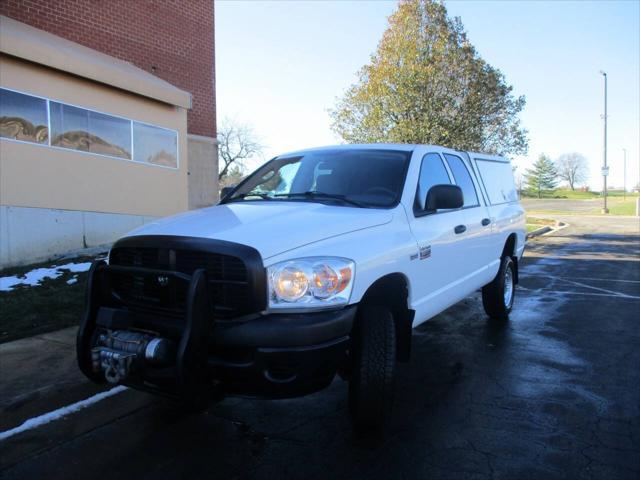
point(203, 171)
point(45, 177)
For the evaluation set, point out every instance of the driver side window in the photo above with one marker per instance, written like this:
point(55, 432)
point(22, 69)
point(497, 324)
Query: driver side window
point(432, 172)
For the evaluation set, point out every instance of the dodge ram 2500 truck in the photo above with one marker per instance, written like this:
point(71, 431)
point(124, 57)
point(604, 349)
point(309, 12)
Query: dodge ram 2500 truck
point(320, 262)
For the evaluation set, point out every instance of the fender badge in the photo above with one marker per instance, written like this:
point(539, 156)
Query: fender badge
point(425, 252)
point(413, 257)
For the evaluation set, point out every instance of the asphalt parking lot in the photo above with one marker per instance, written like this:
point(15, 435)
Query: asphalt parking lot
point(555, 393)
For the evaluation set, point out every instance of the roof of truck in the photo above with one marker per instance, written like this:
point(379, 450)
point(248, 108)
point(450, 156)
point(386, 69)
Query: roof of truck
point(406, 147)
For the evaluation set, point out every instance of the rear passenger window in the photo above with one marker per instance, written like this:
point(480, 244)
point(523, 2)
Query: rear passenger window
point(498, 181)
point(463, 180)
point(432, 172)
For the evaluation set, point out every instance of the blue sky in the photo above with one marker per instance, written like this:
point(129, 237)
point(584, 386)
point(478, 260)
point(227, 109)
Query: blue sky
point(281, 64)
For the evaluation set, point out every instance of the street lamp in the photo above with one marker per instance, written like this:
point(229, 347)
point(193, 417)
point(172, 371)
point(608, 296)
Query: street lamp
point(605, 170)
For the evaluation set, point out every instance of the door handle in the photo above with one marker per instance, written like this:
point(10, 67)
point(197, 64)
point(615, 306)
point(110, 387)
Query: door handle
point(460, 229)
point(485, 222)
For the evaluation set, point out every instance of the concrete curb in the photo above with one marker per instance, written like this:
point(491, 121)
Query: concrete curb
point(539, 231)
point(547, 229)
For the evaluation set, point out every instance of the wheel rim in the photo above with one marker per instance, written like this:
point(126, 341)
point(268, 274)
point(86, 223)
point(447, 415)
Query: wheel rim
point(508, 287)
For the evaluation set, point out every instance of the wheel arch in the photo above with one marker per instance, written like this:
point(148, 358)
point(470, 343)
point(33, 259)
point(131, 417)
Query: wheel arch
point(392, 291)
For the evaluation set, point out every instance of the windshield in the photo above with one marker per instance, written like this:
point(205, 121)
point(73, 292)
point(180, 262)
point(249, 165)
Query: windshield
point(362, 178)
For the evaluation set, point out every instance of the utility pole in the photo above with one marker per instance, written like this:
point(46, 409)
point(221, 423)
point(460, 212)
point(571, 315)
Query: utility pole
point(625, 174)
point(605, 170)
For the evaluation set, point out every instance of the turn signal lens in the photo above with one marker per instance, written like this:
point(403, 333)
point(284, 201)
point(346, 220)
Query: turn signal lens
point(325, 281)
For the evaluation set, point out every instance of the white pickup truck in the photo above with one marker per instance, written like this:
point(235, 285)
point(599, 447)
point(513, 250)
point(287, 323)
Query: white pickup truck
point(320, 262)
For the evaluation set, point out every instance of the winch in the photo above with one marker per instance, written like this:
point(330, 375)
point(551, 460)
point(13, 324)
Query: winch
point(119, 353)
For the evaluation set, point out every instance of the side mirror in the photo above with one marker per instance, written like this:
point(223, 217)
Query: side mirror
point(444, 197)
point(226, 191)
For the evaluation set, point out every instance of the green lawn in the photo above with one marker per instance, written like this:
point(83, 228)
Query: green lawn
point(53, 304)
point(540, 221)
point(617, 206)
point(574, 194)
point(562, 193)
point(534, 223)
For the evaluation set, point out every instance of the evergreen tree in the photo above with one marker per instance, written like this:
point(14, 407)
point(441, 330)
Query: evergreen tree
point(541, 176)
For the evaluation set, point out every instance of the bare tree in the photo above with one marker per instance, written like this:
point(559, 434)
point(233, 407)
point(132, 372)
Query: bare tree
point(572, 167)
point(232, 178)
point(236, 143)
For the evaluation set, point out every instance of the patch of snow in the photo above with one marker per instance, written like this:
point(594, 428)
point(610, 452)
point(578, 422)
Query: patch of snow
point(35, 277)
point(75, 267)
point(62, 412)
point(7, 283)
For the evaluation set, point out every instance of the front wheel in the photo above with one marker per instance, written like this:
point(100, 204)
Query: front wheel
point(373, 356)
point(497, 296)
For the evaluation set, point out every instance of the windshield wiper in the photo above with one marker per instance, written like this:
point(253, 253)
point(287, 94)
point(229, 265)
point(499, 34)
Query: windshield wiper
point(241, 196)
point(329, 196)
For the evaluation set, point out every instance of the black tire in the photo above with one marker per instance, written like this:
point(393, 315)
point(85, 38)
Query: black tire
point(373, 355)
point(494, 299)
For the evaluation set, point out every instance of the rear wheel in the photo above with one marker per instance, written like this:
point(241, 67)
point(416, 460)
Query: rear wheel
point(498, 296)
point(373, 355)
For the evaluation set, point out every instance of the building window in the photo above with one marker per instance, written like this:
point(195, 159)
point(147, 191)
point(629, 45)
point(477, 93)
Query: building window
point(154, 145)
point(23, 117)
point(88, 131)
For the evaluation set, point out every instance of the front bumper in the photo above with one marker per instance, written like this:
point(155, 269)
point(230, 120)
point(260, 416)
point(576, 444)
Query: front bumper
point(274, 355)
point(280, 355)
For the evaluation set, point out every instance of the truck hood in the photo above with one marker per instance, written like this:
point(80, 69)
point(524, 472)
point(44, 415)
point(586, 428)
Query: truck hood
point(270, 227)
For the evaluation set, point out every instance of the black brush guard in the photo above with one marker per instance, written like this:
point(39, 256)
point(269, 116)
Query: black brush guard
point(187, 378)
point(189, 328)
point(155, 321)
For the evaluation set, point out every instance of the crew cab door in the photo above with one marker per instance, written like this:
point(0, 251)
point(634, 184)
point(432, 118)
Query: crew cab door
point(480, 250)
point(439, 265)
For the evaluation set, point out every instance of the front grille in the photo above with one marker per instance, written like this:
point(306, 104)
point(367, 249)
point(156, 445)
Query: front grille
point(229, 280)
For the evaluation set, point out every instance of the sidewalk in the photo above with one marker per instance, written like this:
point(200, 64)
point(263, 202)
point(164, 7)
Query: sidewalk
point(39, 374)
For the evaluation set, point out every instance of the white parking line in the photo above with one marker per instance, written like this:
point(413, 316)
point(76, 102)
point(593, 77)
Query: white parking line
point(584, 285)
point(40, 420)
point(588, 294)
point(586, 278)
point(599, 279)
point(572, 281)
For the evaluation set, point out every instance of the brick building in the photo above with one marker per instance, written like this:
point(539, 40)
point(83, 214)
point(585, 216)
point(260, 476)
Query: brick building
point(86, 84)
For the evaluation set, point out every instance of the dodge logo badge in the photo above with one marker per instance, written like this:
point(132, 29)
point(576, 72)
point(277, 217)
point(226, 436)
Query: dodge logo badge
point(163, 281)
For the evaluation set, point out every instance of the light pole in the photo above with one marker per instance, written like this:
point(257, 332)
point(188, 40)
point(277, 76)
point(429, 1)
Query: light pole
point(624, 195)
point(604, 168)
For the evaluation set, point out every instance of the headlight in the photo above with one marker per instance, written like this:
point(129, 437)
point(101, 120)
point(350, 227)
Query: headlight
point(314, 282)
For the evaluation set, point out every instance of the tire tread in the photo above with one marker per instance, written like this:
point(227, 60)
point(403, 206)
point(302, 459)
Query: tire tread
point(371, 388)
